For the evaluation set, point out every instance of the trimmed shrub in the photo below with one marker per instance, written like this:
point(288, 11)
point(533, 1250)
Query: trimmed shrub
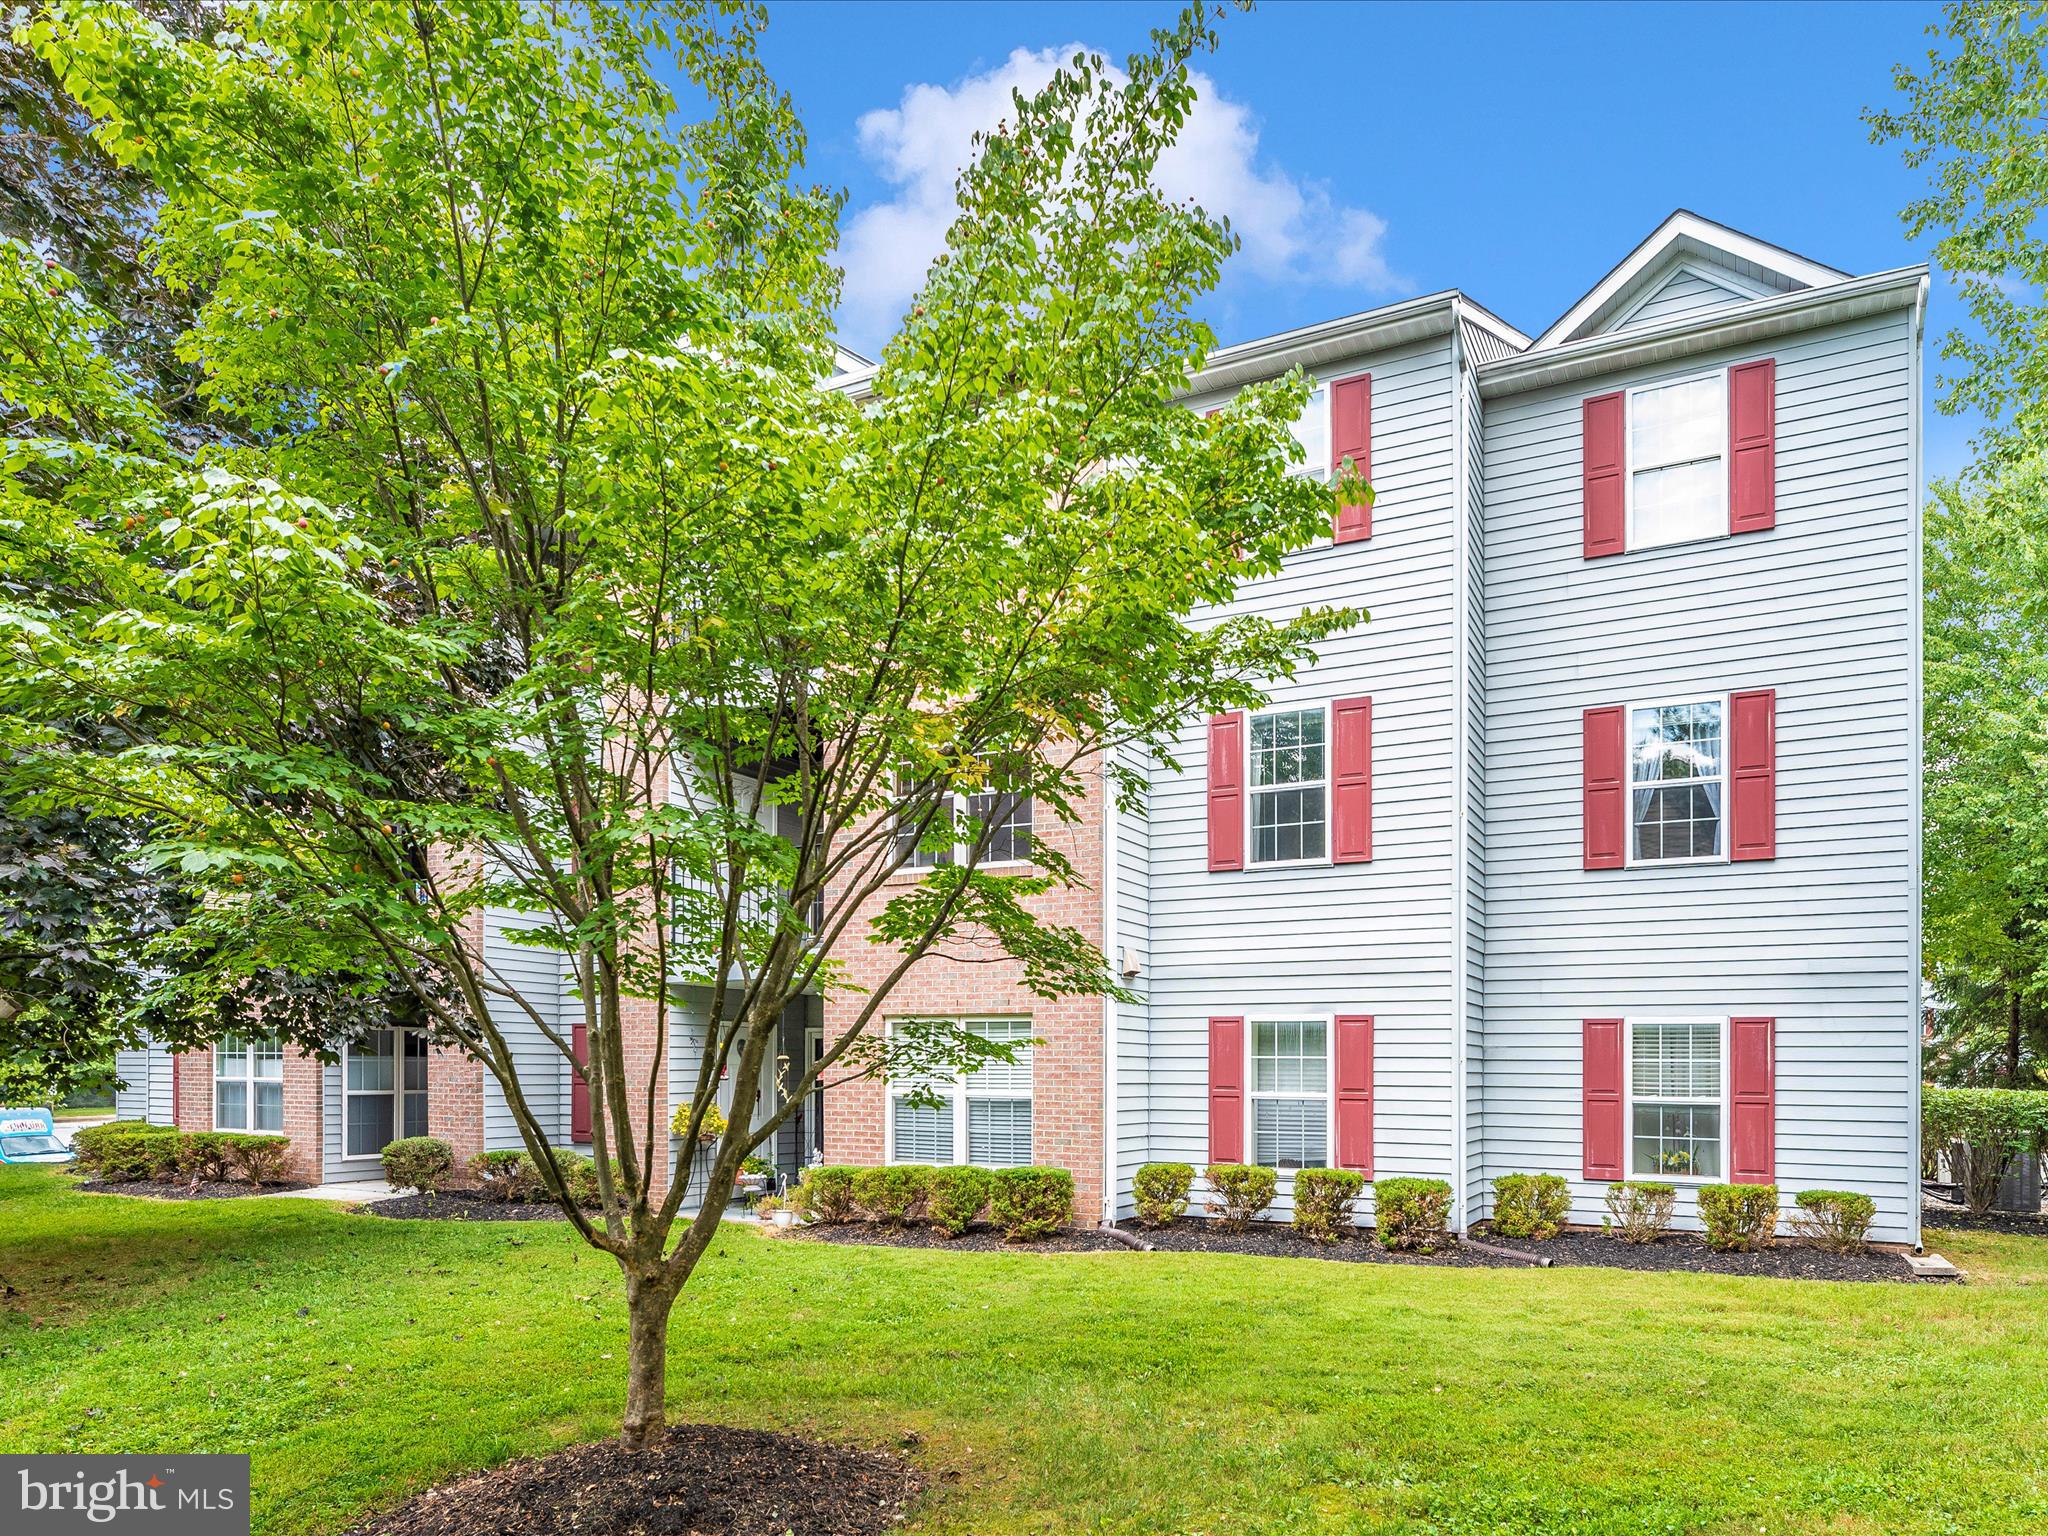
point(1322, 1202)
point(1739, 1217)
point(1160, 1192)
point(259, 1159)
point(1239, 1191)
point(825, 1194)
point(86, 1143)
point(1834, 1218)
point(1029, 1203)
point(894, 1194)
point(578, 1174)
point(505, 1175)
point(1534, 1205)
point(1410, 1215)
point(1638, 1212)
point(1982, 1130)
point(150, 1154)
point(203, 1156)
point(958, 1195)
point(418, 1162)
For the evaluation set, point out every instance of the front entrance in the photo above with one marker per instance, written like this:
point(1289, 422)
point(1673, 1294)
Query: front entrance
point(812, 1145)
point(383, 1090)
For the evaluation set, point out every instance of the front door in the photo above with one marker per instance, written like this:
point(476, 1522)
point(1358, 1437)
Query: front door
point(814, 1108)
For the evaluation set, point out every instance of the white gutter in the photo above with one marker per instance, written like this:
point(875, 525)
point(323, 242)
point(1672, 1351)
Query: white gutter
point(1757, 320)
point(1917, 596)
point(1109, 1005)
point(1461, 534)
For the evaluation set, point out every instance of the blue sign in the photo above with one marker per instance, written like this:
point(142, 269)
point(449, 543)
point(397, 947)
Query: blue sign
point(30, 1136)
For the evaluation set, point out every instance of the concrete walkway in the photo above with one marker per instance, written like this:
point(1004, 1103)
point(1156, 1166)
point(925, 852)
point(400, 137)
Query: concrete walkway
point(353, 1193)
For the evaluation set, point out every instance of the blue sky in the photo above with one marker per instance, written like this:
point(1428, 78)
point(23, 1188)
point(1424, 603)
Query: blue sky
point(1370, 152)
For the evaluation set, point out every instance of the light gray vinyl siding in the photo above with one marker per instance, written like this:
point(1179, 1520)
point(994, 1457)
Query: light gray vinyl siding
point(1374, 938)
point(1821, 609)
point(1132, 932)
point(140, 1096)
point(1475, 1190)
point(1685, 292)
point(543, 1071)
point(1485, 346)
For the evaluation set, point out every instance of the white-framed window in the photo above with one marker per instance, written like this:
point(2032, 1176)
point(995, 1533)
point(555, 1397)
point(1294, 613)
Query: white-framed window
point(1288, 804)
point(1677, 1111)
point(1005, 816)
point(1677, 781)
point(383, 1090)
point(1312, 431)
point(1289, 1103)
point(1678, 461)
point(982, 1117)
point(248, 1084)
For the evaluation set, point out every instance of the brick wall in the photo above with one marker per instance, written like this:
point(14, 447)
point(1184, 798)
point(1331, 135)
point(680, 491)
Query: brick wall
point(1067, 1068)
point(455, 1101)
point(192, 1104)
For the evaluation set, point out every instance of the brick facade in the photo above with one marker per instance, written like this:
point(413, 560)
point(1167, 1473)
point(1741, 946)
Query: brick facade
point(1067, 1066)
point(192, 1104)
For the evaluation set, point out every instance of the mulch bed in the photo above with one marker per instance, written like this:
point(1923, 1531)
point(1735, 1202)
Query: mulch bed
point(183, 1189)
point(463, 1205)
point(1684, 1251)
point(1279, 1240)
point(1935, 1215)
point(699, 1480)
point(976, 1239)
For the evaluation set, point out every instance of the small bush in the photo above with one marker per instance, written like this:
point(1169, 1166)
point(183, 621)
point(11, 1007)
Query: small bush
point(1834, 1218)
point(1029, 1203)
point(578, 1174)
point(825, 1195)
point(86, 1143)
point(958, 1195)
point(1638, 1212)
point(150, 1154)
point(1322, 1202)
point(1534, 1205)
point(259, 1159)
point(1239, 1191)
point(893, 1195)
point(203, 1156)
point(1739, 1217)
point(1411, 1214)
point(1160, 1191)
point(505, 1175)
point(418, 1162)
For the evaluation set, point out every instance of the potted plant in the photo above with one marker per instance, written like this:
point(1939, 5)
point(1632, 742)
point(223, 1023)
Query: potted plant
point(754, 1176)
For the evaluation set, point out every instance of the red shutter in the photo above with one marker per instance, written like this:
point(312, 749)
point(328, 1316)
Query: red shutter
point(1753, 775)
point(1753, 447)
point(1603, 470)
point(579, 1085)
point(1753, 1101)
point(1604, 787)
point(1600, 1101)
point(1351, 438)
point(1226, 790)
point(1226, 1090)
point(1351, 782)
point(1354, 1092)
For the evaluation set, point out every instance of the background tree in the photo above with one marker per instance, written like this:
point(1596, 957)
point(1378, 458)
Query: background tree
point(1986, 843)
point(554, 574)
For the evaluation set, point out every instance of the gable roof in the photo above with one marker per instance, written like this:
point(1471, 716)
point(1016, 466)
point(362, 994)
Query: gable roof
point(1713, 253)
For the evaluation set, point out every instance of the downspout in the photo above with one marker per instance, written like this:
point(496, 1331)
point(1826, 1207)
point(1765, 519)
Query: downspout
point(1461, 534)
point(1109, 1032)
point(1917, 596)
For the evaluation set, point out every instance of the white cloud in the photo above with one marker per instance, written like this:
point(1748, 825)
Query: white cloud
point(1292, 231)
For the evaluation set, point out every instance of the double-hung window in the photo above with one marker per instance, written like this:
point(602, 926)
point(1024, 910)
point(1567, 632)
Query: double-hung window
point(1312, 431)
point(1675, 1098)
point(1678, 774)
point(1290, 1097)
point(1290, 803)
point(383, 1090)
point(1677, 461)
point(1003, 816)
point(981, 1117)
point(248, 1084)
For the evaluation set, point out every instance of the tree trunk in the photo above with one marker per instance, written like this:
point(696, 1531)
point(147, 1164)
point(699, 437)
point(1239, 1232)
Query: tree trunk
point(2012, 1037)
point(648, 1303)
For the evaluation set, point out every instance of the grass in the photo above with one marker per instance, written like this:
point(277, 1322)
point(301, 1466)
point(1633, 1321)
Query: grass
point(359, 1359)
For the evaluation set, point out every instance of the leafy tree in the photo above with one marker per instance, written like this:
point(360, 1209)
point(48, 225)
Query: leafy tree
point(1986, 815)
point(556, 574)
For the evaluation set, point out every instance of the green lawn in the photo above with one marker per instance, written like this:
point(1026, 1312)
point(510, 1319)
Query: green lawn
point(1084, 1393)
